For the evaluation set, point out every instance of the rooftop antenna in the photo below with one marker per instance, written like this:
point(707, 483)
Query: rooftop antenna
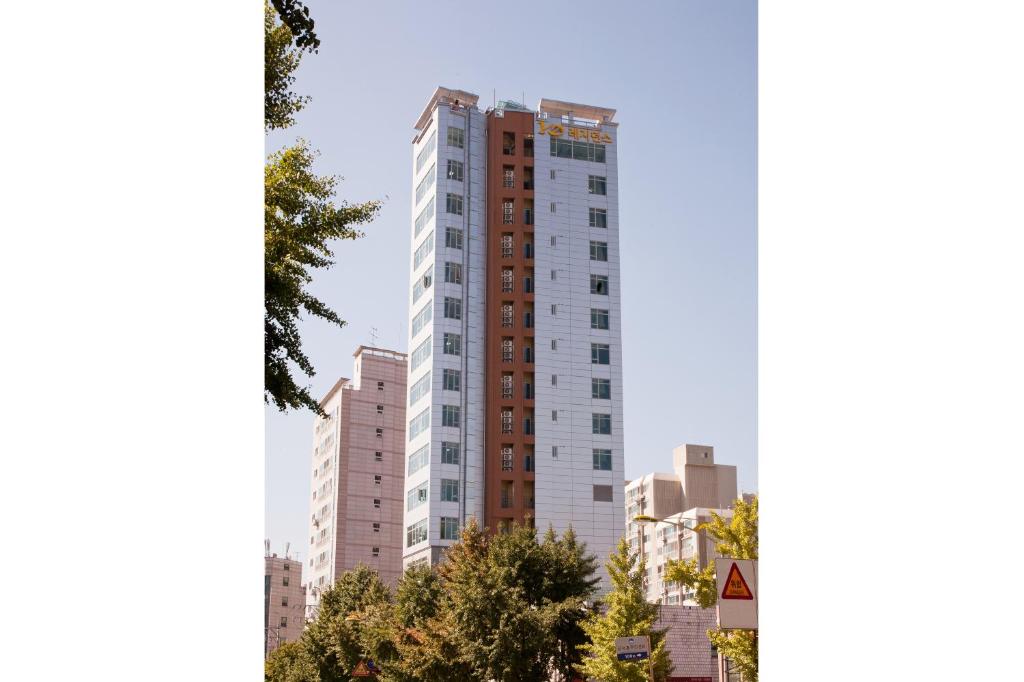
point(266, 546)
point(287, 547)
point(373, 336)
point(494, 98)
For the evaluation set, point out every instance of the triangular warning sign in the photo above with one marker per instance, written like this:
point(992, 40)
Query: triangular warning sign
point(361, 670)
point(736, 586)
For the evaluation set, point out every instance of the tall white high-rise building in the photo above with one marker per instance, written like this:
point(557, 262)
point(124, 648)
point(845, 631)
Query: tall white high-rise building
point(515, 358)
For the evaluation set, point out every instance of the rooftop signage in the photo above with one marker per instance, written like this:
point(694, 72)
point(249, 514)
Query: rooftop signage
point(581, 134)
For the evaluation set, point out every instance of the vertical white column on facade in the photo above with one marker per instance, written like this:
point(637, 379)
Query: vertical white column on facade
point(565, 484)
point(476, 241)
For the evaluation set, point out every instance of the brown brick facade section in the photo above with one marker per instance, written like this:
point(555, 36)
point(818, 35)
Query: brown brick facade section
point(508, 494)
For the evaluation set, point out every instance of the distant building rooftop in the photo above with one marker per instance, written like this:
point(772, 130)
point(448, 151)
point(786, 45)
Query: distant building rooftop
point(512, 106)
point(379, 352)
point(554, 107)
point(447, 96)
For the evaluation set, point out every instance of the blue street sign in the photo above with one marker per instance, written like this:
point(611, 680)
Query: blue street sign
point(633, 656)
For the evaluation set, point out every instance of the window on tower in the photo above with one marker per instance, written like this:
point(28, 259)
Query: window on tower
point(426, 151)
point(450, 453)
point(453, 238)
point(452, 380)
point(452, 344)
point(425, 216)
point(449, 490)
point(456, 137)
point(453, 273)
point(508, 143)
point(602, 460)
point(455, 170)
point(453, 204)
point(426, 184)
point(450, 415)
point(453, 308)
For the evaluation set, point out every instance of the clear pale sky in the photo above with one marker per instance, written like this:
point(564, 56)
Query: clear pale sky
point(682, 77)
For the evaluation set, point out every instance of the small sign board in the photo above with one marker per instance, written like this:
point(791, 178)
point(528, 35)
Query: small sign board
point(737, 593)
point(633, 648)
point(361, 670)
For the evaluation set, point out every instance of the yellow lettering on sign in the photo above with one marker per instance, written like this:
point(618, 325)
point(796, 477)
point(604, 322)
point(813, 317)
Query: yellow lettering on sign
point(575, 133)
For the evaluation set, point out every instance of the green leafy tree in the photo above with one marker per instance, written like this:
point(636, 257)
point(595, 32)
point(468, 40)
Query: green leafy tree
point(296, 17)
point(627, 614)
point(427, 652)
point(280, 60)
point(503, 607)
point(570, 580)
point(425, 649)
point(290, 663)
point(301, 218)
point(417, 596)
point(333, 640)
point(735, 538)
point(512, 605)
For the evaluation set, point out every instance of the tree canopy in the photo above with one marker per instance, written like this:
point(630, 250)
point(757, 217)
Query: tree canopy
point(501, 607)
point(736, 538)
point(301, 216)
point(296, 17)
point(627, 614)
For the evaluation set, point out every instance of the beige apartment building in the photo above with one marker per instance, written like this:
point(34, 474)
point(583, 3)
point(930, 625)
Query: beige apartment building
point(358, 476)
point(284, 601)
point(679, 502)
